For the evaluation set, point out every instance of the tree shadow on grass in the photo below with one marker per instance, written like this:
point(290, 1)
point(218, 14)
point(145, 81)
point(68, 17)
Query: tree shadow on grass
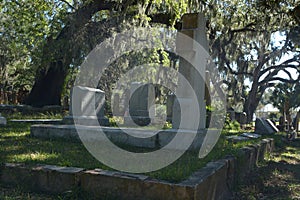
point(278, 178)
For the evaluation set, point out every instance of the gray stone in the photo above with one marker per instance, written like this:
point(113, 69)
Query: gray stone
point(116, 105)
point(194, 27)
point(41, 178)
point(3, 120)
point(263, 127)
point(296, 123)
point(141, 105)
point(231, 114)
point(137, 137)
point(87, 108)
point(122, 186)
point(251, 135)
point(37, 121)
point(236, 138)
point(170, 104)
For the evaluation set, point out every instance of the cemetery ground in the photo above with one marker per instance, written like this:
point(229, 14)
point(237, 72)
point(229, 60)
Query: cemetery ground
point(277, 177)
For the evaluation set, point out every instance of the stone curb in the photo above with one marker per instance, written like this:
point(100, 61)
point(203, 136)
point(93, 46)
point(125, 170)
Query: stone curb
point(214, 181)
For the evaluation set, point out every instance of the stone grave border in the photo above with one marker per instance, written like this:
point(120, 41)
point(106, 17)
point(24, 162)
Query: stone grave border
point(214, 181)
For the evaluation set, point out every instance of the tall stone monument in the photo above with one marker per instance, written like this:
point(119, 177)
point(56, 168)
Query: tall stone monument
point(194, 26)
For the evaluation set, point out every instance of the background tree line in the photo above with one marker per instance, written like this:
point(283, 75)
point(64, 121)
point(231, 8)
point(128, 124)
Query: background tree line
point(43, 42)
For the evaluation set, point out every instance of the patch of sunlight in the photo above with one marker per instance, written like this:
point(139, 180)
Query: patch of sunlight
point(291, 155)
point(291, 149)
point(11, 147)
point(277, 159)
point(15, 134)
point(36, 156)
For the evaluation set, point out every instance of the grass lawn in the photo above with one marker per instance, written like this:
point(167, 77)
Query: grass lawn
point(17, 146)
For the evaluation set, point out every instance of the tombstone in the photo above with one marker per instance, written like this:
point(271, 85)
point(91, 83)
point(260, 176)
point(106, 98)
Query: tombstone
point(116, 105)
point(264, 127)
point(83, 110)
point(281, 124)
point(141, 105)
point(296, 122)
point(194, 26)
point(170, 104)
point(231, 114)
point(2, 120)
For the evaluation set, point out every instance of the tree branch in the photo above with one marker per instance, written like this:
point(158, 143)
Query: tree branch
point(66, 2)
point(292, 81)
point(277, 68)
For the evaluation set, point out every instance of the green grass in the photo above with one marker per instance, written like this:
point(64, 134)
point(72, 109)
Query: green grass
point(18, 115)
point(17, 146)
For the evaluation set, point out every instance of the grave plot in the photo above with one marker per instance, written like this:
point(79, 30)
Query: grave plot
point(87, 104)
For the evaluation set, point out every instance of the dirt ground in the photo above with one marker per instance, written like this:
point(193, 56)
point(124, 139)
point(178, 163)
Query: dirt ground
point(278, 178)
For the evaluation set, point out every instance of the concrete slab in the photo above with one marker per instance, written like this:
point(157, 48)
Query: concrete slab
point(251, 135)
point(236, 138)
point(37, 121)
point(127, 136)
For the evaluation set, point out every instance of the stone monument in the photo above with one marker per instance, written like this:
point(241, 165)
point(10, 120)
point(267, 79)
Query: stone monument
point(170, 103)
point(194, 26)
point(296, 122)
point(264, 127)
point(82, 108)
point(2, 120)
point(141, 105)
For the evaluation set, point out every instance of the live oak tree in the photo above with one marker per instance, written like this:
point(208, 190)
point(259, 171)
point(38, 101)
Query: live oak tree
point(83, 27)
point(245, 50)
point(24, 25)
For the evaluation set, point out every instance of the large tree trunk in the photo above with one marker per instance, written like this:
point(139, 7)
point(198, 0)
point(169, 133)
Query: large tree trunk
point(48, 87)
point(252, 101)
point(50, 78)
point(249, 108)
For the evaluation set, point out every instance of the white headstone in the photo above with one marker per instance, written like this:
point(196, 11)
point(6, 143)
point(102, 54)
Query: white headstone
point(3, 120)
point(87, 106)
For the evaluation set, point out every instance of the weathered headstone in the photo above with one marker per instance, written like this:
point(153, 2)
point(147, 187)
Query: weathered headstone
point(194, 26)
point(296, 122)
point(170, 105)
point(88, 107)
point(116, 105)
point(2, 120)
point(263, 127)
point(141, 104)
point(231, 114)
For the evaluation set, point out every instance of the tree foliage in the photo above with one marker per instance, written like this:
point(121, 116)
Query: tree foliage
point(52, 34)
